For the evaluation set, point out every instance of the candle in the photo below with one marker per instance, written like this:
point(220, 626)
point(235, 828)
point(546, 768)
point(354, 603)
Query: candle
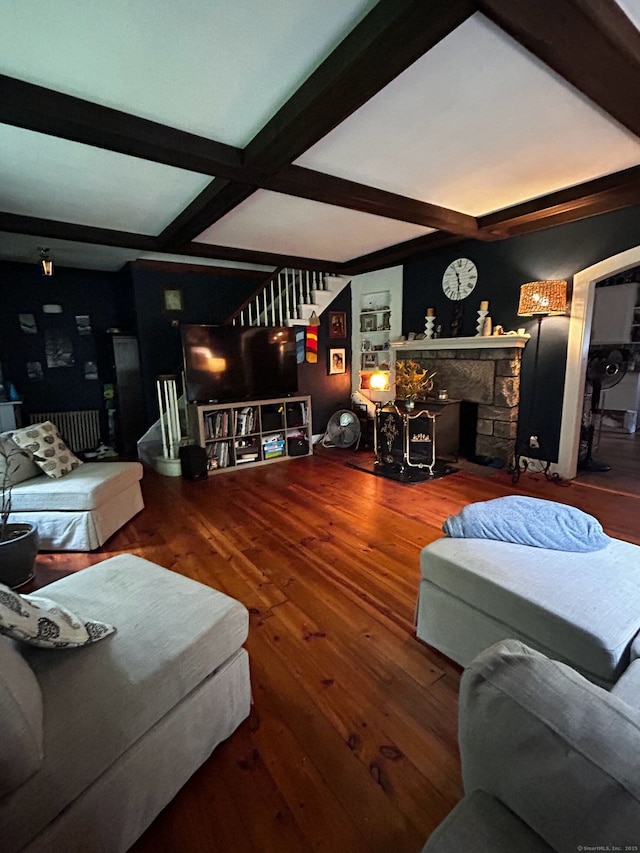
point(484, 306)
point(430, 312)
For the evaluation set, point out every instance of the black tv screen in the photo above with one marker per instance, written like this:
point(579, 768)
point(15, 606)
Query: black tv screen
point(231, 363)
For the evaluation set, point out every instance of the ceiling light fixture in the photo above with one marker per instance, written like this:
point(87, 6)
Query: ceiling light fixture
point(45, 261)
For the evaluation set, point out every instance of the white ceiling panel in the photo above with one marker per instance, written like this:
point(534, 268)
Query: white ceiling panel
point(631, 8)
point(477, 124)
point(217, 68)
point(272, 222)
point(53, 179)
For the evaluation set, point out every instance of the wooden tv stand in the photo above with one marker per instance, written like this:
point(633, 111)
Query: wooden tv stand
point(252, 432)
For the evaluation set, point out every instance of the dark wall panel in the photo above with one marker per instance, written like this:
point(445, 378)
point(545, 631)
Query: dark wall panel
point(63, 353)
point(328, 393)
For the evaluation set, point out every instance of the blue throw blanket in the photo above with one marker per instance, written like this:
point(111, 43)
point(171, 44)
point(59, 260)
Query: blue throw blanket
point(528, 521)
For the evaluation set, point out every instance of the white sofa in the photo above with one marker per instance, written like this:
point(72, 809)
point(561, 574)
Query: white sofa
point(97, 740)
point(80, 511)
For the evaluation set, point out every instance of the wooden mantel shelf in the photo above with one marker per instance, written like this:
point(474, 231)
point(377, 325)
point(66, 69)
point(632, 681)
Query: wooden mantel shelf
point(476, 342)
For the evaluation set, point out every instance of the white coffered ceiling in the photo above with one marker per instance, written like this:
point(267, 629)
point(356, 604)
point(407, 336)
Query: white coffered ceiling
point(323, 134)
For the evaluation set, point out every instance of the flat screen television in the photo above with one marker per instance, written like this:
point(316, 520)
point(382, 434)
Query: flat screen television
point(224, 364)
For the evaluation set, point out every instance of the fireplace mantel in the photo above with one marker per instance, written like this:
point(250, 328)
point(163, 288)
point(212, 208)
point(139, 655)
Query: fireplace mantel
point(476, 342)
point(483, 371)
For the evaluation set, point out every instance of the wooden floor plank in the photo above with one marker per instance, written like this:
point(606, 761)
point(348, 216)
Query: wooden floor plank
point(351, 744)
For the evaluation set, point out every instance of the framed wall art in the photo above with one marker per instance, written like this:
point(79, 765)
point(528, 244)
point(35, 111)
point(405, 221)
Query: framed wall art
point(172, 299)
point(337, 362)
point(337, 324)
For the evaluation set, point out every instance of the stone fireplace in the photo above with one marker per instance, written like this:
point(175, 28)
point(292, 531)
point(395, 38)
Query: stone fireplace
point(480, 370)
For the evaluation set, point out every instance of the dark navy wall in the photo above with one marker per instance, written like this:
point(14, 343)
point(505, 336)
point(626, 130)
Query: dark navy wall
point(503, 266)
point(328, 393)
point(208, 298)
point(104, 297)
point(131, 301)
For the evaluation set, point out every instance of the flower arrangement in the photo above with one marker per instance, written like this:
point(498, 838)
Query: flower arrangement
point(412, 380)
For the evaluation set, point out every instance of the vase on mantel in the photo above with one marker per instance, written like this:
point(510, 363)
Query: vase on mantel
point(482, 313)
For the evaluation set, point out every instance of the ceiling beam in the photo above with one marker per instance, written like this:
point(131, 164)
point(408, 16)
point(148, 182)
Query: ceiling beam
point(590, 43)
point(307, 183)
point(602, 195)
point(393, 255)
point(216, 199)
point(53, 229)
point(56, 114)
point(56, 230)
point(386, 42)
point(252, 256)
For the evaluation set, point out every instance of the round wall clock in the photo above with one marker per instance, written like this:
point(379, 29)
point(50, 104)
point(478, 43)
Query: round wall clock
point(459, 278)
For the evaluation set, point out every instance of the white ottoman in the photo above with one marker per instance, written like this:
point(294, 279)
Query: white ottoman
point(580, 608)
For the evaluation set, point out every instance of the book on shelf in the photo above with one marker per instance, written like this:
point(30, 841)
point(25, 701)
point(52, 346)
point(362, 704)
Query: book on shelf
point(245, 420)
point(216, 424)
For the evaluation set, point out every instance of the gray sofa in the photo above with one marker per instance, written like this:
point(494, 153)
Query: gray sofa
point(549, 760)
point(581, 608)
point(97, 740)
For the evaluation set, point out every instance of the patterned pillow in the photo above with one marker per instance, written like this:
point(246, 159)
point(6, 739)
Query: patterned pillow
point(49, 450)
point(42, 622)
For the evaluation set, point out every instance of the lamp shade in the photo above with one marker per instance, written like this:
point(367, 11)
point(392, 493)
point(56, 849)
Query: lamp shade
point(543, 297)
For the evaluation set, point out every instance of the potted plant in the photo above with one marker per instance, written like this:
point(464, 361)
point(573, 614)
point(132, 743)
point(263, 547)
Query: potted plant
point(18, 540)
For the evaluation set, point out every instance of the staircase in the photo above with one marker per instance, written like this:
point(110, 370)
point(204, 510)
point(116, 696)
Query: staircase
point(289, 298)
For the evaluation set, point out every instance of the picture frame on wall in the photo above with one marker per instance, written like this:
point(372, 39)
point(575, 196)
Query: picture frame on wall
point(172, 299)
point(337, 324)
point(337, 361)
point(368, 323)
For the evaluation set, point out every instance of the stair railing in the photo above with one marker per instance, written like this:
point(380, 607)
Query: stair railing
point(277, 301)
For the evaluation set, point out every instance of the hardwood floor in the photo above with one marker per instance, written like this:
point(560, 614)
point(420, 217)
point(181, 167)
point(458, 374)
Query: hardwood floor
point(620, 450)
point(351, 743)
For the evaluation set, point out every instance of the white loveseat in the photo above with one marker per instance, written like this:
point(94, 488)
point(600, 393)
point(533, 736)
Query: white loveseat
point(79, 511)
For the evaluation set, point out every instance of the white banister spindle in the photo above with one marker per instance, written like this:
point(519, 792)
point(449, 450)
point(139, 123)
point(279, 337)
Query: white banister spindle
point(279, 289)
point(307, 291)
point(286, 296)
point(273, 307)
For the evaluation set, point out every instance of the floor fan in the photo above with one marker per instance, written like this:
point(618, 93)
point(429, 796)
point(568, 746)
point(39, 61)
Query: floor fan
point(343, 430)
point(605, 368)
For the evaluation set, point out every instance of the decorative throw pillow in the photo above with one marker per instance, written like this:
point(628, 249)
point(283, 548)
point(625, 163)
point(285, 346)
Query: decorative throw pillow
point(42, 622)
point(49, 450)
point(528, 521)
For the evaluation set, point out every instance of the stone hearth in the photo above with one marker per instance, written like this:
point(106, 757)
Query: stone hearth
point(478, 370)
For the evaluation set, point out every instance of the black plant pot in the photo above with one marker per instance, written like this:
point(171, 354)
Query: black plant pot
point(18, 554)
